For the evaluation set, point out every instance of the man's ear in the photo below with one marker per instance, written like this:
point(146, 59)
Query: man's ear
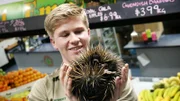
point(53, 43)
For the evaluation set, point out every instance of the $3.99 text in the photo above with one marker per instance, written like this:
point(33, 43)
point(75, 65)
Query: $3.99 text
point(149, 10)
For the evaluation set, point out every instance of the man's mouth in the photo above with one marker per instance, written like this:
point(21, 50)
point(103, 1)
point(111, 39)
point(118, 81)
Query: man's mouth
point(78, 48)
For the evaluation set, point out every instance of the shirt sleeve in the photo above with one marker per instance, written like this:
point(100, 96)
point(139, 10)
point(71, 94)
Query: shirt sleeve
point(128, 94)
point(38, 91)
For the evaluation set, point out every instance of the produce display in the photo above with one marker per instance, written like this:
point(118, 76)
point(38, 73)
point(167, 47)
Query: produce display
point(22, 96)
point(20, 77)
point(168, 89)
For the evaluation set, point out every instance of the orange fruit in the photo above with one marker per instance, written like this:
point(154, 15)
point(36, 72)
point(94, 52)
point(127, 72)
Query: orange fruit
point(34, 75)
point(24, 82)
point(20, 71)
point(31, 76)
point(21, 83)
point(35, 71)
point(16, 73)
point(28, 81)
point(20, 76)
point(1, 83)
point(30, 72)
point(30, 68)
point(31, 79)
point(8, 87)
point(4, 88)
point(16, 82)
point(16, 78)
point(1, 86)
point(10, 81)
point(16, 99)
point(28, 77)
point(26, 70)
point(25, 99)
point(23, 74)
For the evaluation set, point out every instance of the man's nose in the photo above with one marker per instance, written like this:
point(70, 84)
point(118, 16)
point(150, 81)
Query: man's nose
point(74, 39)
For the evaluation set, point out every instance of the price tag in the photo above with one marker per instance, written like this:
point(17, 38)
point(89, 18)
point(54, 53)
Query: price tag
point(110, 16)
point(18, 25)
point(103, 13)
point(150, 10)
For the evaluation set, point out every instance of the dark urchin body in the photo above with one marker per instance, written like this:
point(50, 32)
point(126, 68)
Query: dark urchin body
point(93, 75)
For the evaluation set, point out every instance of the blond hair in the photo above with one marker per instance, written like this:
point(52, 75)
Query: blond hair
point(60, 14)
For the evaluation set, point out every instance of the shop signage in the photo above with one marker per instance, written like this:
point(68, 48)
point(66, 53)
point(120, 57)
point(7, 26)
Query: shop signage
point(18, 25)
point(132, 9)
point(122, 10)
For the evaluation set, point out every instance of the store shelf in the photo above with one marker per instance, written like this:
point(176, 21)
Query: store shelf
point(102, 16)
point(165, 41)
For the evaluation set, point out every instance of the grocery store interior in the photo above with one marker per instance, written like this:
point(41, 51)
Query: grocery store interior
point(143, 33)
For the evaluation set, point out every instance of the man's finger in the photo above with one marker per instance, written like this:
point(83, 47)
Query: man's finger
point(126, 71)
point(117, 83)
point(117, 89)
point(126, 66)
point(62, 73)
point(123, 74)
point(67, 76)
point(69, 85)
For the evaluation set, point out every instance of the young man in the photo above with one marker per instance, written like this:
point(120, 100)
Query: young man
point(68, 29)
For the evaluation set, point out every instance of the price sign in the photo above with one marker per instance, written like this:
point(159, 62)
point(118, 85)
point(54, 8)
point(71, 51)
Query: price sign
point(132, 9)
point(13, 27)
point(109, 16)
point(124, 10)
point(4, 27)
point(18, 25)
point(151, 10)
point(103, 13)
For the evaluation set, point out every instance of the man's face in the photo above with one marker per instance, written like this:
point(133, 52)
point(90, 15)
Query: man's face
point(70, 38)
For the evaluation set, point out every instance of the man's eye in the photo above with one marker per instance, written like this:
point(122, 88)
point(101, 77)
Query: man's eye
point(64, 35)
point(78, 32)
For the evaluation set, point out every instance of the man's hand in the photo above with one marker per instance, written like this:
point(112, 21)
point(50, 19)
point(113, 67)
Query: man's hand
point(120, 82)
point(66, 82)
